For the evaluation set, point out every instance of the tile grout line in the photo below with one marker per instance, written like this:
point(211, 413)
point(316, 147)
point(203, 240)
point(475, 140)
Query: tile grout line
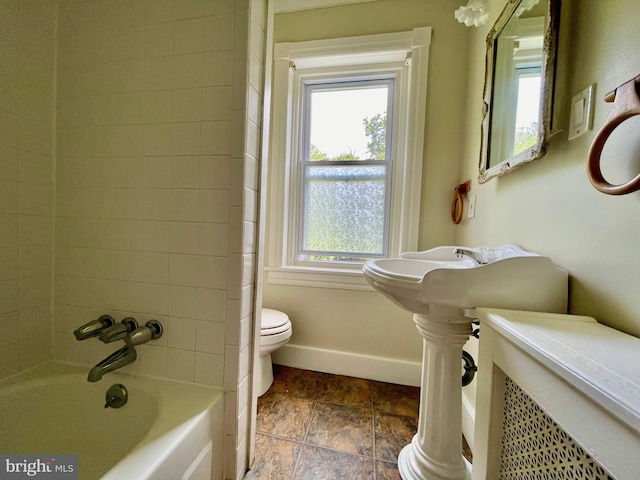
point(373, 431)
point(314, 403)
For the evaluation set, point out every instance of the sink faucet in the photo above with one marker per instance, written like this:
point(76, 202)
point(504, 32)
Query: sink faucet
point(116, 360)
point(460, 253)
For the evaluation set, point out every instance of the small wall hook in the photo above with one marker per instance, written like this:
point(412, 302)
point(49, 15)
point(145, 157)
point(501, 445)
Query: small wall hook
point(626, 104)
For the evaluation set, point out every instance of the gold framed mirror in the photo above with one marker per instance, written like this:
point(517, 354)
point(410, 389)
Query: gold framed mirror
point(519, 86)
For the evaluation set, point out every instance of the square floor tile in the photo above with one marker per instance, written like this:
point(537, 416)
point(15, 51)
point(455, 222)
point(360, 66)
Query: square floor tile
point(347, 391)
point(398, 399)
point(275, 458)
point(298, 383)
point(387, 471)
point(344, 428)
point(392, 433)
point(324, 464)
point(283, 416)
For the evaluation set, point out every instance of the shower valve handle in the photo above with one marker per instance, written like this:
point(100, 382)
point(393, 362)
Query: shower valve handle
point(93, 328)
point(152, 330)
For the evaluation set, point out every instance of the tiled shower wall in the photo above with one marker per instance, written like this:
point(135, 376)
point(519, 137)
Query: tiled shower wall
point(245, 154)
point(27, 59)
point(144, 113)
point(157, 115)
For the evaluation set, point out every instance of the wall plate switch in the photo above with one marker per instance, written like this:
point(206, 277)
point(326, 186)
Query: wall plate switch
point(581, 112)
point(472, 206)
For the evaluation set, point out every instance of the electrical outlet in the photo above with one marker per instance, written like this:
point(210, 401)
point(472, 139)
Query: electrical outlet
point(472, 207)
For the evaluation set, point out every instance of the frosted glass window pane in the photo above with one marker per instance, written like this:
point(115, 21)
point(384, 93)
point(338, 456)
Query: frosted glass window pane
point(348, 123)
point(344, 210)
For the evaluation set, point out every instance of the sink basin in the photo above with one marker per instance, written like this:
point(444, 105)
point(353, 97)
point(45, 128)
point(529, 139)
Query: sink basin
point(440, 286)
point(502, 277)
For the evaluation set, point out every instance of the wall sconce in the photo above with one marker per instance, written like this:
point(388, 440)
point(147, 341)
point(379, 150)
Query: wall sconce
point(474, 13)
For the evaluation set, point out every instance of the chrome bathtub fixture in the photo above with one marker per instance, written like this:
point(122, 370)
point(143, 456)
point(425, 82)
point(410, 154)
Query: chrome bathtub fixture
point(128, 330)
point(152, 330)
point(116, 360)
point(119, 330)
point(94, 327)
point(116, 397)
point(442, 287)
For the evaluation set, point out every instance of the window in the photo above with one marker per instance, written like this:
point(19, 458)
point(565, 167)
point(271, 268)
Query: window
point(528, 86)
point(518, 71)
point(346, 155)
point(345, 163)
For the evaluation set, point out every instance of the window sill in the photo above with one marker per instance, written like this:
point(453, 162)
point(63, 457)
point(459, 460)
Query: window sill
point(340, 279)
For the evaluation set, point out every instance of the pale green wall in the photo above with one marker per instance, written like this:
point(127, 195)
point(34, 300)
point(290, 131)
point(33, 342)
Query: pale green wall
point(366, 322)
point(550, 206)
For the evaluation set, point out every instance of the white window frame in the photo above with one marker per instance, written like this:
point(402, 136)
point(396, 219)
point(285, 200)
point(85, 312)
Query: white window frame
point(387, 163)
point(403, 55)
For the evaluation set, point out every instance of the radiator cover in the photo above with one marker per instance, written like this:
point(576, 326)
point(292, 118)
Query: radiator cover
point(535, 447)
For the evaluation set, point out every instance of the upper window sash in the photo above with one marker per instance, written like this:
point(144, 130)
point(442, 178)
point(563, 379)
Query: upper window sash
point(329, 84)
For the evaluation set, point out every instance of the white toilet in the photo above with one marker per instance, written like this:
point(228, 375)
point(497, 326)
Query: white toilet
point(275, 331)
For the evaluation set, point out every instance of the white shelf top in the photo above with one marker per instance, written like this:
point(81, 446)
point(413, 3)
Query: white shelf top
point(600, 361)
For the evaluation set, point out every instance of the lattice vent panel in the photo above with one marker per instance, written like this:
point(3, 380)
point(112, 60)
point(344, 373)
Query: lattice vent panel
point(535, 447)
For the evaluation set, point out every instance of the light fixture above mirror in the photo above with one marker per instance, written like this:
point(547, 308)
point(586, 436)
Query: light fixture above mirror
point(474, 13)
point(519, 86)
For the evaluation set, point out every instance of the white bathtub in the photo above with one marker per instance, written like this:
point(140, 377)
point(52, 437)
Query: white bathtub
point(167, 430)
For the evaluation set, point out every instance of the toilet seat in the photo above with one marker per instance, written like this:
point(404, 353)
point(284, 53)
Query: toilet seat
point(273, 322)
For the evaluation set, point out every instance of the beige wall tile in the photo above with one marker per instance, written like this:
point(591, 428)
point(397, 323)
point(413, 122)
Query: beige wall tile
point(212, 272)
point(181, 364)
point(187, 9)
point(187, 36)
point(211, 304)
point(159, 11)
point(218, 32)
point(209, 369)
point(183, 237)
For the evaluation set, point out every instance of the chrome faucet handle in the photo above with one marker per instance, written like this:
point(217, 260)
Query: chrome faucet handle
point(116, 396)
point(94, 327)
point(152, 330)
point(119, 330)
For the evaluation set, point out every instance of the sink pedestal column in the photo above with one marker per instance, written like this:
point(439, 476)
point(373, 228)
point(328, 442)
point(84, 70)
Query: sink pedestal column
point(435, 453)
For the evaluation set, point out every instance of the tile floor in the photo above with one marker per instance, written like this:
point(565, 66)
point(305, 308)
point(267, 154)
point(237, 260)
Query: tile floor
point(318, 426)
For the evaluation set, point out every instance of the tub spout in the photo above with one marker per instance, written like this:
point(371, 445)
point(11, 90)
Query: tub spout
point(116, 360)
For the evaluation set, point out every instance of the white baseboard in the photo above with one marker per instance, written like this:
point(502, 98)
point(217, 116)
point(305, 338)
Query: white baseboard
point(349, 364)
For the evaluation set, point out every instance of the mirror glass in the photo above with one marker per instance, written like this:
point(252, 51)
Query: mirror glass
point(518, 92)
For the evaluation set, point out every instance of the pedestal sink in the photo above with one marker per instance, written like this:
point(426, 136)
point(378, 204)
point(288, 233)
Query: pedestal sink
point(441, 287)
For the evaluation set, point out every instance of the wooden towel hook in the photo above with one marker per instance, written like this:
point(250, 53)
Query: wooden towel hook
point(457, 208)
point(626, 104)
